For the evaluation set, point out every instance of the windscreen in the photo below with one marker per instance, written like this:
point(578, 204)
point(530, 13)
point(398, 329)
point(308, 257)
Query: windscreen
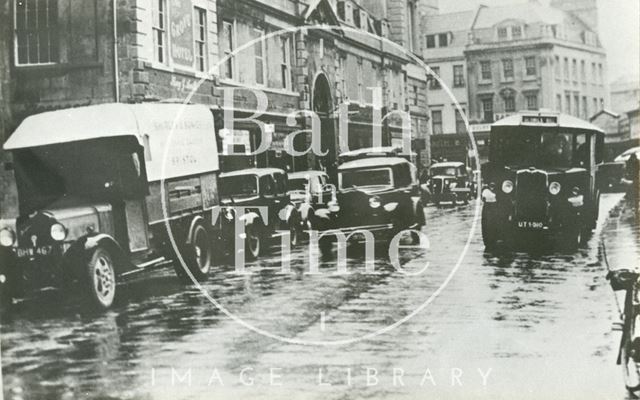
point(240, 185)
point(365, 177)
point(100, 169)
point(543, 148)
point(443, 171)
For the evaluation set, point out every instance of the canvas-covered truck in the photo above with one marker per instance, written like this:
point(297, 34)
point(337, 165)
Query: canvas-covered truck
point(103, 191)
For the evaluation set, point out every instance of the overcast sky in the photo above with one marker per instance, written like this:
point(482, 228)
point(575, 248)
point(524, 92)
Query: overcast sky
point(619, 22)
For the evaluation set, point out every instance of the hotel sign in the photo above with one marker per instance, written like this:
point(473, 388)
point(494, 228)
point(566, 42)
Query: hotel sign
point(181, 31)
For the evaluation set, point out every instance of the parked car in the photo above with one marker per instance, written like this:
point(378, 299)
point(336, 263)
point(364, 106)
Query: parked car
point(379, 195)
point(449, 181)
point(252, 188)
point(540, 178)
point(622, 158)
point(309, 190)
point(97, 194)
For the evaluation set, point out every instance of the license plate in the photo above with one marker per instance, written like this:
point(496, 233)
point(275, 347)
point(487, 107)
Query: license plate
point(530, 225)
point(35, 251)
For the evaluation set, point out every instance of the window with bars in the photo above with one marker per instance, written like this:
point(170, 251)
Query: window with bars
point(507, 68)
point(485, 70)
point(458, 76)
point(160, 31)
point(285, 63)
point(436, 122)
point(36, 32)
point(259, 53)
point(200, 35)
point(228, 41)
point(530, 66)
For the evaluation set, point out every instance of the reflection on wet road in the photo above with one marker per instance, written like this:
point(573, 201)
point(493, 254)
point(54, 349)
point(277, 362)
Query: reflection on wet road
point(507, 326)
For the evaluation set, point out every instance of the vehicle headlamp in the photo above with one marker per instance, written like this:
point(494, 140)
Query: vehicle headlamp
point(507, 186)
point(7, 237)
point(575, 191)
point(228, 214)
point(554, 188)
point(58, 232)
point(333, 206)
point(374, 202)
point(453, 185)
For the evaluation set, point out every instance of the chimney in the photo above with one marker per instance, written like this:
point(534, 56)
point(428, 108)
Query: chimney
point(585, 10)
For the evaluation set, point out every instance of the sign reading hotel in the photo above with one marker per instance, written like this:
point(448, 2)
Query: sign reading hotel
point(181, 31)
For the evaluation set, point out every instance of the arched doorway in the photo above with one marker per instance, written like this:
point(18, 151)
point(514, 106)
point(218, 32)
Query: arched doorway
point(322, 105)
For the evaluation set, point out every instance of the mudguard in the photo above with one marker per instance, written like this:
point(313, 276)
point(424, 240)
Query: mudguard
point(197, 220)
point(305, 211)
point(250, 217)
point(79, 252)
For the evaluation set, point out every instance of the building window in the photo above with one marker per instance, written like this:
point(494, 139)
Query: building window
point(583, 71)
point(585, 111)
point(509, 104)
point(600, 74)
point(431, 41)
point(341, 10)
point(516, 32)
point(200, 16)
point(532, 101)
point(415, 95)
point(594, 73)
point(458, 76)
point(356, 17)
point(259, 53)
point(574, 70)
point(460, 125)
point(566, 69)
point(602, 103)
point(507, 69)
point(567, 103)
point(487, 110)
point(530, 65)
point(228, 43)
point(36, 32)
point(435, 83)
point(285, 63)
point(443, 40)
point(576, 105)
point(558, 68)
point(411, 23)
point(502, 33)
point(485, 69)
point(595, 105)
point(160, 31)
point(558, 103)
point(436, 121)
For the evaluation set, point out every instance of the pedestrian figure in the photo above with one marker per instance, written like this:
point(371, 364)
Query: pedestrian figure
point(632, 180)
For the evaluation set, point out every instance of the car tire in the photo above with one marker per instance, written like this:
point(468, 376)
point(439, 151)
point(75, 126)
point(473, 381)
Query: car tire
point(100, 286)
point(198, 255)
point(254, 242)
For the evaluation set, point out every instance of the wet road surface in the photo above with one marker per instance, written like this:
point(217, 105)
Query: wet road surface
point(508, 325)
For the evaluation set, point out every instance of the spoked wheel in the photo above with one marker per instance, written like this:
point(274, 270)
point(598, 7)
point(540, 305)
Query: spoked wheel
point(253, 244)
point(630, 358)
point(102, 279)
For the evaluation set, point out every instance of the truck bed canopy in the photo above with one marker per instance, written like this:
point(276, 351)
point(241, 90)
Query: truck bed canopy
point(178, 139)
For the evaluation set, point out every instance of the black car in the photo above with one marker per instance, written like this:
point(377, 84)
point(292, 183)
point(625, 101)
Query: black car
point(253, 188)
point(449, 181)
point(378, 195)
point(540, 178)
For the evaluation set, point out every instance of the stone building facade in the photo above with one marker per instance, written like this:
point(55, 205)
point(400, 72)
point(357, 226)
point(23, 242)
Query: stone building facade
point(172, 50)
